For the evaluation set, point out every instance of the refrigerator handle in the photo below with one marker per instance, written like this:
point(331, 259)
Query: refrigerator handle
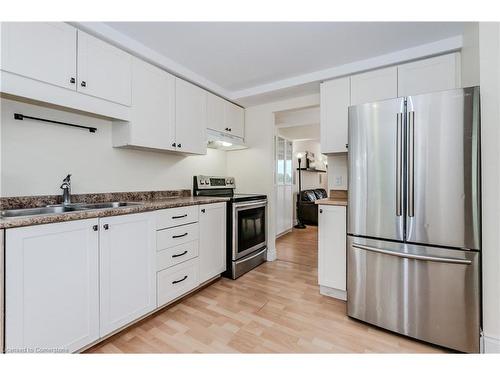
point(428, 258)
point(399, 163)
point(411, 163)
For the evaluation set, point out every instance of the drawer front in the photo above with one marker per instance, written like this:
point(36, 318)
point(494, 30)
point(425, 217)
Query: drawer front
point(177, 254)
point(172, 217)
point(176, 281)
point(176, 236)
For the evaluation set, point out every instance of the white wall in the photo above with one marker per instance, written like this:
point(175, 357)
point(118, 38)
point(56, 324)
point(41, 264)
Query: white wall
point(253, 168)
point(36, 156)
point(489, 50)
point(337, 171)
point(470, 55)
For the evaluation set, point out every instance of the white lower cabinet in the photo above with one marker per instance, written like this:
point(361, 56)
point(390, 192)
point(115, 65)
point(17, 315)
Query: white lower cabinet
point(212, 251)
point(52, 286)
point(178, 280)
point(332, 251)
point(127, 269)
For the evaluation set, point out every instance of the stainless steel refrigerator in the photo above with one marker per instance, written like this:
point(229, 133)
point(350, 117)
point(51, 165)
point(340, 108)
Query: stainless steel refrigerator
point(414, 220)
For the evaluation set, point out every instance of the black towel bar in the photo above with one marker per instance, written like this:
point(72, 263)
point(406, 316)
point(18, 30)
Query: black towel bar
point(19, 116)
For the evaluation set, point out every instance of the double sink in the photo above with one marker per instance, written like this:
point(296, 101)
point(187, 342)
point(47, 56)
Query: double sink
point(59, 209)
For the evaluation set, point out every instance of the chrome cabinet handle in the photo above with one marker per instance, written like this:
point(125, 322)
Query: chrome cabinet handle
point(399, 162)
point(411, 163)
point(95, 228)
point(412, 256)
point(180, 235)
point(72, 80)
point(83, 84)
point(179, 281)
point(179, 217)
point(106, 226)
point(179, 255)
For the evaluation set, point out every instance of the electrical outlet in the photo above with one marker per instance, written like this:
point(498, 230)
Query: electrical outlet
point(338, 180)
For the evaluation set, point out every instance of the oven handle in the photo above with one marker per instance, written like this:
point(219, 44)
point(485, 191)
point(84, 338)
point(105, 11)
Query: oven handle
point(253, 256)
point(260, 203)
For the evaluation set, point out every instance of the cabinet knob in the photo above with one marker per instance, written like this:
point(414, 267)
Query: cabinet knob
point(202, 210)
point(83, 84)
point(320, 211)
point(95, 228)
point(174, 144)
point(106, 226)
point(72, 80)
point(346, 145)
point(179, 145)
point(230, 129)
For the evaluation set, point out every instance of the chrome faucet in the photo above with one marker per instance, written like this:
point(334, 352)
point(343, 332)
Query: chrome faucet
point(66, 187)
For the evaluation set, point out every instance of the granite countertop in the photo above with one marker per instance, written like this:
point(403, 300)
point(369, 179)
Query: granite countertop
point(332, 201)
point(145, 205)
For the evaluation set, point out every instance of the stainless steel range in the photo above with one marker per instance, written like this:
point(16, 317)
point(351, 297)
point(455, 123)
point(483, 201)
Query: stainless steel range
point(246, 244)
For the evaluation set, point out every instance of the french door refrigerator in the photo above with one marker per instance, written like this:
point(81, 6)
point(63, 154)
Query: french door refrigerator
point(414, 230)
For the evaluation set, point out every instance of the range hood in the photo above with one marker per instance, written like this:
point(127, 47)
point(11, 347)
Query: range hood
point(222, 141)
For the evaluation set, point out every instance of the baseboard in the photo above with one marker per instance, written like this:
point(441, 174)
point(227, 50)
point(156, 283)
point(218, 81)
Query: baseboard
point(271, 255)
point(332, 292)
point(490, 345)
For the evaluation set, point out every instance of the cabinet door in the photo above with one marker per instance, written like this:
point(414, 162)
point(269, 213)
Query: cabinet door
point(45, 51)
point(234, 119)
point(215, 113)
point(212, 252)
point(104, 71)
point(380, 84)
point(152, 122)
point(434, 74)
point(127, 269)
point(335, 99)
point(190, 117)
point(332, 247)
point(52, 286)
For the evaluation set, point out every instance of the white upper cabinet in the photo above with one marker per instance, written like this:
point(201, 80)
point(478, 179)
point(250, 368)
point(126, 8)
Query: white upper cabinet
point(434, 74)
point(190, 118)
point(44, 51)
point(127, 269)
point(375, 85)
point(52, 286)
point(215, 113)
point(104, 71)
point(334, 115)
point(152, 115)
point(234, 118)
point(225, 116)
point(212, 252)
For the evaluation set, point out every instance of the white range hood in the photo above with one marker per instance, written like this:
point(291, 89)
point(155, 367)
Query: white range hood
point(221, 141)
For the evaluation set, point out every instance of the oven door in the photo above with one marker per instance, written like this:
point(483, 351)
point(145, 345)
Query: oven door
point(249, 227)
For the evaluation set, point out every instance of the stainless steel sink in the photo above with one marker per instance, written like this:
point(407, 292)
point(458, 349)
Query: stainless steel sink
point(96, 206)
point(59, 209)
point(37, 211)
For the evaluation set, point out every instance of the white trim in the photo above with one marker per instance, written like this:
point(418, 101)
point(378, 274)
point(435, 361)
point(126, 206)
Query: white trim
point(490, 345)
point(439, 47)
point(332, 292)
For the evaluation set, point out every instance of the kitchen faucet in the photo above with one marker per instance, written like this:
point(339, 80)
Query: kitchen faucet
point(66, 187)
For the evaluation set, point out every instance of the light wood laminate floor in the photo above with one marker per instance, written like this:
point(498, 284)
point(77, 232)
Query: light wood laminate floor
point(275, 308)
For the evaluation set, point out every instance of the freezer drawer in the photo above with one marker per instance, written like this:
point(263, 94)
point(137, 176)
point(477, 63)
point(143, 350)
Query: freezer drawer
point(431, 294)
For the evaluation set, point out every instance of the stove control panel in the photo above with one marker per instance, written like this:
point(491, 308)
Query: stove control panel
point(214, 182)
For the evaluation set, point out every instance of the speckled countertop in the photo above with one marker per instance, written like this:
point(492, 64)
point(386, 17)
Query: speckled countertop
point(145, 205)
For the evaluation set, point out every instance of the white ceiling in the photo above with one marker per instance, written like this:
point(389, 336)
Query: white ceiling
point(245, 59)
